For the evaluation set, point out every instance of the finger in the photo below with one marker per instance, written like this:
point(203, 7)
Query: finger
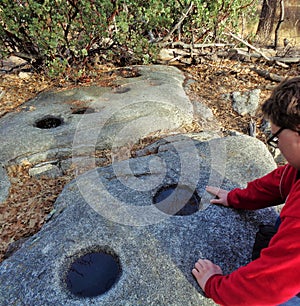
point(200, 261)
point(194, 271)
point(206, 262)
point(198, 265)
point(212, 189)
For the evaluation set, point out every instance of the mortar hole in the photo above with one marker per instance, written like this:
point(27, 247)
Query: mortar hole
point(177, 200)
point(48, 122)
point(93, 274)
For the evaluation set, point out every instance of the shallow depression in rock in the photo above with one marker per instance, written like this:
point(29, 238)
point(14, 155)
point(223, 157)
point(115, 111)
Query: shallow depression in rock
point(130, 72)
point(93, 274)
point(177, 200)
point(120, 90)
point(83, 110)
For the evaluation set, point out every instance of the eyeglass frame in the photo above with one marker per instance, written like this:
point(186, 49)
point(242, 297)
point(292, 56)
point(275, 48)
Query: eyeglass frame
point(273, 142)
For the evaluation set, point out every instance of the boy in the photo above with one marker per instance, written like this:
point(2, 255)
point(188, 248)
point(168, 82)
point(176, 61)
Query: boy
point(273, 278)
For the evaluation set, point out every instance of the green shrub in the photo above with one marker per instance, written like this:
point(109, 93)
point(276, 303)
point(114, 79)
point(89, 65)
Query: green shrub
point(55, 34)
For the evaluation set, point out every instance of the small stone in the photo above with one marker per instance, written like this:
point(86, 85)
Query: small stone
point(25, 75)
point(202, 111)
point(166, 54)
point(2, 93)
point(48, 170)
point(246, 102)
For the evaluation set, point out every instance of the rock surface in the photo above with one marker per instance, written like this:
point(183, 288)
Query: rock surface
point(246, 102)
point(4, 184)
point(112, 207)
point(44, 128)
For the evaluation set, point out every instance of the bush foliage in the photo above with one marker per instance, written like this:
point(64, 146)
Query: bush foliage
point(53, 34)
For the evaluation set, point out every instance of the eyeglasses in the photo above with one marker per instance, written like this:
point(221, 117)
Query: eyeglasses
point(273, 140)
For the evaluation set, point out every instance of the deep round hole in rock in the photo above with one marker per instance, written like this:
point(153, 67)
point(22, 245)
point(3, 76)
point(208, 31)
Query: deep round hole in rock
point(48, 122)
point(177, 200)
point(93, 274)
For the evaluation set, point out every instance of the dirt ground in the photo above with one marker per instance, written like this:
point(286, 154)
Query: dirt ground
point(31, 200)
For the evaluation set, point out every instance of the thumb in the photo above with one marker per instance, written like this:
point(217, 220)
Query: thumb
point(216, 201)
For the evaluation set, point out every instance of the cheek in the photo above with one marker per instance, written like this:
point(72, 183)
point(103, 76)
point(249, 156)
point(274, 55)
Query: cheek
point(290, 153)
point(285, 149)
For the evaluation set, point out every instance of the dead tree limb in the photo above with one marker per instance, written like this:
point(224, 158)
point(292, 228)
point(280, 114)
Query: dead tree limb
point(194, 46)
point(268, 75)
point(248, 45)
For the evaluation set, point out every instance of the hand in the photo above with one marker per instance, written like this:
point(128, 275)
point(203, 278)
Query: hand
point(221, 195)
point(203, 270)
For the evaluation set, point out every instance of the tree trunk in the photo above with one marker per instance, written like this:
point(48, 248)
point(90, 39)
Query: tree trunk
point(266, 21)
point(280, 21)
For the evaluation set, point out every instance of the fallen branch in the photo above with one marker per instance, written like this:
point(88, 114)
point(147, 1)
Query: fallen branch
point(194, 46)
point(248, 45)
point(268, 76)
point(287, 60)
point(280, 61)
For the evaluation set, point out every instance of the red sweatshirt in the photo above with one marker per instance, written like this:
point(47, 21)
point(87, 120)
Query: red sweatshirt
point(273, 278)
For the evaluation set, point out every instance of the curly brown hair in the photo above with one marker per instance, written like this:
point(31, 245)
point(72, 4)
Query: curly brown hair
point(283, 106)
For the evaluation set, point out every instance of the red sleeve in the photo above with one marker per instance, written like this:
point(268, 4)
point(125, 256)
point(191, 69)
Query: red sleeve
point(260, 193)
point(270, 280)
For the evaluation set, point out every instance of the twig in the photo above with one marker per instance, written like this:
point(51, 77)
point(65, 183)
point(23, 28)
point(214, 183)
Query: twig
point(252, 128)
point(13, 68)
point(184, 15)
point(177, 58)
point(281, 64)
point(248, 45)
